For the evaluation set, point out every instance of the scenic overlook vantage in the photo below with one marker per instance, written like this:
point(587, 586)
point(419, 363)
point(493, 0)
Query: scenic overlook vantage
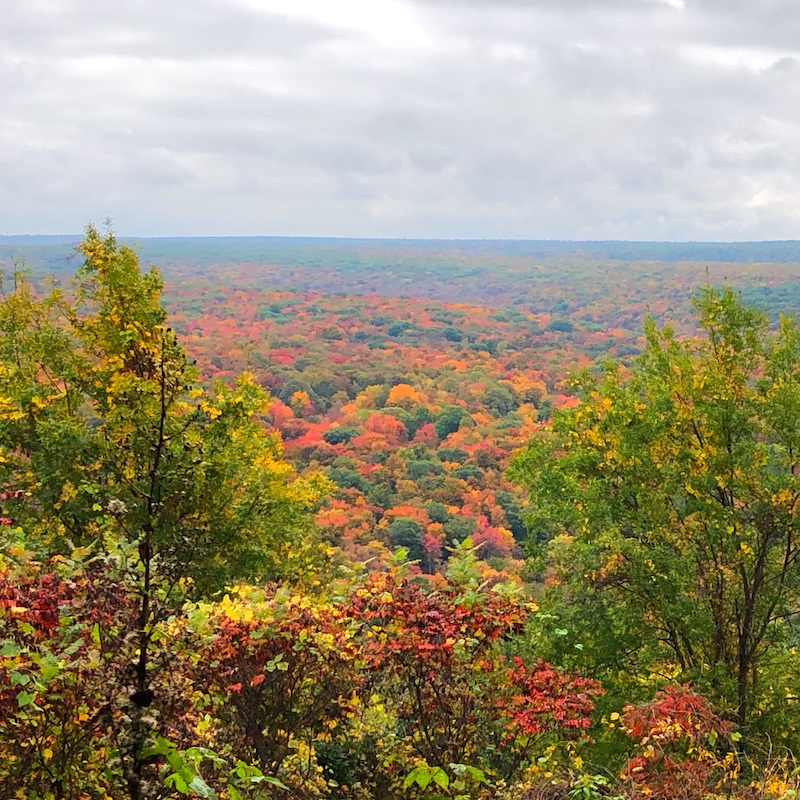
point(400, 400)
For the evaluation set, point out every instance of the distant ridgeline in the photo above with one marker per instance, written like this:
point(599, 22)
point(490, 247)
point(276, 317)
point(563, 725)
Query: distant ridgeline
point(52, 251)
point(559, 277)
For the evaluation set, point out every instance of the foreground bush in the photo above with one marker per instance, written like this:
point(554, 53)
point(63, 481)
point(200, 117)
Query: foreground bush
point(389, 688)
point(334, 696)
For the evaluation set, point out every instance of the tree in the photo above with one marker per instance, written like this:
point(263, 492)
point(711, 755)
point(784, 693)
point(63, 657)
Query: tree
point(339, 435)
point(107, 442)
point(104, 428)
point(406, 532)
point(448, 420)
point(667, 500)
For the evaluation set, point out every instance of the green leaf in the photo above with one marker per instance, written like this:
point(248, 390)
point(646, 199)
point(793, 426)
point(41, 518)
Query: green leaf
point(241, 770)
point(160, 747)
point(197, 754)
point(476, 775)
point(175, 760)
point(177, 782)
point(270, 780)
point(49, 671)
point(10, 650)
point(25, 699)
point(74, 647)
point(440, 778)
point(417, 775)
point(202, 789)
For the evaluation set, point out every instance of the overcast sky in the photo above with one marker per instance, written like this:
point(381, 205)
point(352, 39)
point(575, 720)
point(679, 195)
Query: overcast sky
point(580, 119)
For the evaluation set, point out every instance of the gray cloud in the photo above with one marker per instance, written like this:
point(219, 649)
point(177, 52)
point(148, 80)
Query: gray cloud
point(674, 119)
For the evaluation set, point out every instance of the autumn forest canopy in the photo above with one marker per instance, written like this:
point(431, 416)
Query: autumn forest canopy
point(354, 519)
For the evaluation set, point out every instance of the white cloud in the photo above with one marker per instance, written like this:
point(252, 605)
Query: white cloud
point(735, 58)
point(390, 23)
point(470, 118)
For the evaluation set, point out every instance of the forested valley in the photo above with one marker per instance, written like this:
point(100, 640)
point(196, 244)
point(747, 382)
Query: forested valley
point(362, 519)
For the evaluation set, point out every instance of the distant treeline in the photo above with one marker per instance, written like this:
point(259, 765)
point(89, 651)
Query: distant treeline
point(53, 252)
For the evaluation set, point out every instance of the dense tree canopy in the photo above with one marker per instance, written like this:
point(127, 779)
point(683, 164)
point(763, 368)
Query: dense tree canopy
point(173, 623)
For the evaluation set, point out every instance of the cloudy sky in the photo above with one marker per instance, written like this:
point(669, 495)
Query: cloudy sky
point(581, 119)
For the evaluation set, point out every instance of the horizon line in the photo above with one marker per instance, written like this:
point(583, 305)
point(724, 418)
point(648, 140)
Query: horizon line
point(172, 237)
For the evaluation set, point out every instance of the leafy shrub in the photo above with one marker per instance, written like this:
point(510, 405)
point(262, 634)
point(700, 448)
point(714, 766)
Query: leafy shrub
point(684, 749)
